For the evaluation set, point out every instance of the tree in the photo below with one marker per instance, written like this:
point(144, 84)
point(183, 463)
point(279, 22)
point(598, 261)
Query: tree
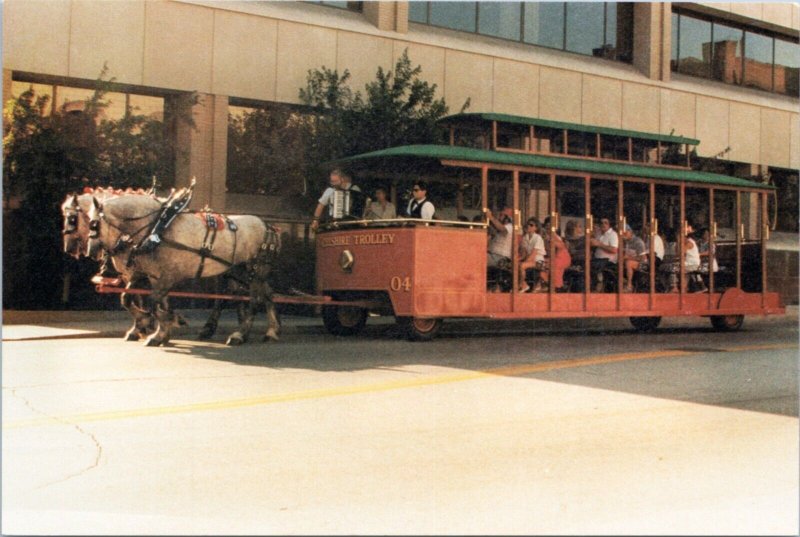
point(265, 151)
point(397, 108)
point(45, 157)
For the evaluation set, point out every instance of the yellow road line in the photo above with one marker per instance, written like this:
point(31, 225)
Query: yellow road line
point(508, 371)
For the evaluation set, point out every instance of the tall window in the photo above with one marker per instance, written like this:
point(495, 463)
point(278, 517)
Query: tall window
point(544, 24)
point(734, 54)
point(585, 27)
point(759, 59)
point(499, 19)
point(694, 38)
point(787, 67)
point(352, 6)
point(591, 28)
point(726, 62)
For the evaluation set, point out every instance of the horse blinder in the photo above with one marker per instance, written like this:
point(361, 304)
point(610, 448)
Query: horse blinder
point(71, 225)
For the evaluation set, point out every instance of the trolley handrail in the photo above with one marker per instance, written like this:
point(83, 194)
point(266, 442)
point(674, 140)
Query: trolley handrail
point(414, 222)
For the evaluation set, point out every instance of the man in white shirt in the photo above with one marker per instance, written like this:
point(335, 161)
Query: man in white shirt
point(339, 180)
point(606, 245)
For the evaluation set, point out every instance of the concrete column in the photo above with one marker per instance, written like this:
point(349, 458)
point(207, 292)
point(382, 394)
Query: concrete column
point(202, 148)
point(6, 85)
point(652, 35)
point(388, 16)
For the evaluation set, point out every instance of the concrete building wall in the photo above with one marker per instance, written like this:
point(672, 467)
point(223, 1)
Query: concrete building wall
point(263, 51)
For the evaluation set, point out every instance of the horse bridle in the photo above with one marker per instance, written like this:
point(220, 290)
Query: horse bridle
point(71, 225)
point(125, 239)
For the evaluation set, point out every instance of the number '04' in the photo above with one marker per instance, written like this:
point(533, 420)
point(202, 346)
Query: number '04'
point(401, 284)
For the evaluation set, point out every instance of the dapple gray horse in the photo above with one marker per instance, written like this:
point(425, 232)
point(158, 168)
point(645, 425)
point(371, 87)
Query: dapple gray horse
point(75, 210)
point(118, 224)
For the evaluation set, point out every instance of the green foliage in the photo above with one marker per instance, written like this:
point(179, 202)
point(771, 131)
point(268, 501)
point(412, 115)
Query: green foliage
point(265, 152)
point(397, 108)
point(45, 157)
point(278, 150)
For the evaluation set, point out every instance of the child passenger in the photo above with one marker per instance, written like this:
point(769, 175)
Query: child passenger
point(531, 253)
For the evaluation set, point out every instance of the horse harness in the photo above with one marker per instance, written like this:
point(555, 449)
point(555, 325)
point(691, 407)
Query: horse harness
point(213, 223)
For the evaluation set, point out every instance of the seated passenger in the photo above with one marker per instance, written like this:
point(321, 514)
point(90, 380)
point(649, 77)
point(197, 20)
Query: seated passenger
point(706, 251)
point(420, 206)
point(692, 262)
point(380, 208)
point(501, 238)
point(633, 256)
point(576, 242)
point(605, 244)
point(561, 260)
point(339, 180)
point(658, 246)
point(531, 254)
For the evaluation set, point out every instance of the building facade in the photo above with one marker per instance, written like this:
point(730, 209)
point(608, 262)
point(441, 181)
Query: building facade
point(724, 73)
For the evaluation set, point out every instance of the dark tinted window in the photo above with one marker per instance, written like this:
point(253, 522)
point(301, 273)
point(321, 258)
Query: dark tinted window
point(597, 29)
point(787, 67)
point(418, 12)
point(544, 24)
point(585, 27)
point(693, 50)
point(500, 19)
point(734, 54)
point(758, 61)
point(727, 62)
point(455, 15)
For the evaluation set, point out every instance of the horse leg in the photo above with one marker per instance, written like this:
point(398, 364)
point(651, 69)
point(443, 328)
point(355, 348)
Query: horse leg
point(142, 319)
point(165, 318)
point(210, 328)
point(273, 323)
point(246, 313)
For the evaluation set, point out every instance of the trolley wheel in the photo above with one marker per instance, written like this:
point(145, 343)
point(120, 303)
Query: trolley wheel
point(727, 323)
point(417, 329)
point(645, 324)
point(344, 320)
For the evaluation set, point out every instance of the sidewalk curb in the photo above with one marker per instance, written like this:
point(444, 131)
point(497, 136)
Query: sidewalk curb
point(114, 324)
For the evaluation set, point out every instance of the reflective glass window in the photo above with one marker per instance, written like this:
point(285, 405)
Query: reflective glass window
point(675, 42)
point(758, 61)
point(500, 19)
point(727, 57)
point(544, 24)
point(787, 67)
point(455, 15)
point(585, 27)
point(619, 31)
point(695, 41)
point(418, 12)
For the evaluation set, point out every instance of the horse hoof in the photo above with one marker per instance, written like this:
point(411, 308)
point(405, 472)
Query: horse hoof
point(152, 342)
point(131, 336)
point(234, 340)
point(207, 332)
point(270, 337)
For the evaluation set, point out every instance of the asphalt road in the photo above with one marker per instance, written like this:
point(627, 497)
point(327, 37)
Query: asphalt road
point(519, 427)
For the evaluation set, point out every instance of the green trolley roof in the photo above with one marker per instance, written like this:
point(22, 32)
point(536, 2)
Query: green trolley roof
point(447, 152)
point(536, 122)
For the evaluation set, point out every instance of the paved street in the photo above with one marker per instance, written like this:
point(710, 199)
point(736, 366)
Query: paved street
point(569, 427)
